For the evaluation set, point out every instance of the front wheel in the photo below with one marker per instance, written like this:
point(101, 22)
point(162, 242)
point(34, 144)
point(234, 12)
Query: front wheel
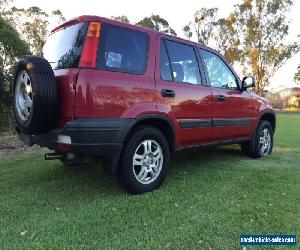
point(262, 142)
point(145, 160)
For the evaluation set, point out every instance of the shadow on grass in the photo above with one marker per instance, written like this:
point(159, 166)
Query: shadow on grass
point(89, 181)
point(206, 157)
point(180, 161)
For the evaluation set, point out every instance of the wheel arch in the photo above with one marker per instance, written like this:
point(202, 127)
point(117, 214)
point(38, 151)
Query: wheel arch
point(160, 122)
point(270, 116)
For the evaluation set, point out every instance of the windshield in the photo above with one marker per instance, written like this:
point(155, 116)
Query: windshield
point(63, 47)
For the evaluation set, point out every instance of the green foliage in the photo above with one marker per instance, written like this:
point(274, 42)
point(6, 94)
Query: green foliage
point(254, 36)
point(11, 47)
point(6, 121)
point(4, 4)
point(208, 199)
point(123, 19)
point(33, 24)
point(203, 25)
point(297, 75)
point(157, 23)
point(187, 31)
point(22, 31)
point(58, 17)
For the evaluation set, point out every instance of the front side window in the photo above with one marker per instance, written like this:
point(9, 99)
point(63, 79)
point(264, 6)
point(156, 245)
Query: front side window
point(122, 50)
point(183, 63)
point(220, 76)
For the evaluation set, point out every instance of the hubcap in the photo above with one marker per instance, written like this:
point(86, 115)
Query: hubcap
point(23, 96)
point(265, 141)
point(147, 161)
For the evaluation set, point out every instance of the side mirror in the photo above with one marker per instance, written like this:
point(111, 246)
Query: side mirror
point(248, 82)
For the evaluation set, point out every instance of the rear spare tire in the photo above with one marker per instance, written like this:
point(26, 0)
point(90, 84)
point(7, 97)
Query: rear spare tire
point(34, 95)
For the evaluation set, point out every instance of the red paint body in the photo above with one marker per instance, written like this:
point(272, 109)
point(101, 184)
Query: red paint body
point(95, 93)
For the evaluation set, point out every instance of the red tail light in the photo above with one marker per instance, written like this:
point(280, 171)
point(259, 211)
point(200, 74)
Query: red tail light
point(90, 48)
point(64, 142)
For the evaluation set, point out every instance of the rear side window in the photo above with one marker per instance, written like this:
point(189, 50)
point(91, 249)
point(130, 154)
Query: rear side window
point(184, 64)
point(63, 48)
point(122, 50)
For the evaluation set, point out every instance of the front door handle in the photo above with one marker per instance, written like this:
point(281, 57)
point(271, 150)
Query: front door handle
point(221, 98)
point(168, 93)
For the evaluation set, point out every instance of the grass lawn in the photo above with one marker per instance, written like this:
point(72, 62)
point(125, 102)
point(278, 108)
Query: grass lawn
point(208, 199)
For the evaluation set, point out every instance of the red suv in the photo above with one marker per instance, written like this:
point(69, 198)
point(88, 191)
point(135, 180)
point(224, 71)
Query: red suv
point(131, 96)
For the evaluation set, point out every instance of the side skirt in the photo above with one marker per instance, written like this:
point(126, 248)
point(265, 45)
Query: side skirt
point(216, 144)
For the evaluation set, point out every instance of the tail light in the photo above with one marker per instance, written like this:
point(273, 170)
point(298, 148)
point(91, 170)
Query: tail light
point(64, 142)
point(90, 48)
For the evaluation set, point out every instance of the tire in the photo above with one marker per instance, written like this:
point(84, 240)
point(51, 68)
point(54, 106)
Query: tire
point(34, 95)
point(254, 147)
point(155, 159)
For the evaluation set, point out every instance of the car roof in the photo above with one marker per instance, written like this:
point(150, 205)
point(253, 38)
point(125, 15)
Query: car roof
point(89, 18)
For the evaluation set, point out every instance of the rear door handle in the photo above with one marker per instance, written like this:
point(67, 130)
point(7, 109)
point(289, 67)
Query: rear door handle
point(168, 93)
point(221, 98)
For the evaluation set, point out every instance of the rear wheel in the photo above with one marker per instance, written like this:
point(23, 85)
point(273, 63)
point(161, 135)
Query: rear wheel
point(145, 160)
point(262, 143)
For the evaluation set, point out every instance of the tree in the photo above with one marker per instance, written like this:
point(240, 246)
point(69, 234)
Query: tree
point(157, 23)
point(297, 75)
point(203, 25)
point(4, 4)
point(11, 47)
point(187, 31)
point(254, 36)
point(123, 19)
point(32, 24)
point(57, 17)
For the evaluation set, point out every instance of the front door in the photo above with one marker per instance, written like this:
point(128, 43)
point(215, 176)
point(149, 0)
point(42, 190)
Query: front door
point(233, 113)
point(180, 91)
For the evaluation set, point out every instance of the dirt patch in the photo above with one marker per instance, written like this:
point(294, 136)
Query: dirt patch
point(10, 144)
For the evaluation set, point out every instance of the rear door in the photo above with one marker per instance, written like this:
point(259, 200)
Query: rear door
point(232, 109)
point(180, 91)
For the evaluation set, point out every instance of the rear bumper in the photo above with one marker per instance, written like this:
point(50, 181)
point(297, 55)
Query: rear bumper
point(97, 137)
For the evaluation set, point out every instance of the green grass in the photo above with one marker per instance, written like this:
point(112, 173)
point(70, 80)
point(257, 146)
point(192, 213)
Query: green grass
point(208, 199)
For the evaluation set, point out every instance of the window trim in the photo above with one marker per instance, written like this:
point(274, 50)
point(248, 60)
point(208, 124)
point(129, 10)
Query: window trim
point(163, 39)
point(110, 69)
point(237, 79)
point(79, 50)
point(168, 57)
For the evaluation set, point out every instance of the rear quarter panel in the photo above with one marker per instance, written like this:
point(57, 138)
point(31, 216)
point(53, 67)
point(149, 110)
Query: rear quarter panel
point(66, 80)
point(108, 94)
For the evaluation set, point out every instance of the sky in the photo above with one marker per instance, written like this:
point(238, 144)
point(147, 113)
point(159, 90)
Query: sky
point(177, 13)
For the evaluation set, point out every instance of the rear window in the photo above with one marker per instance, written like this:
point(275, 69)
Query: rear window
point(122, 50)
point(63, 48)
